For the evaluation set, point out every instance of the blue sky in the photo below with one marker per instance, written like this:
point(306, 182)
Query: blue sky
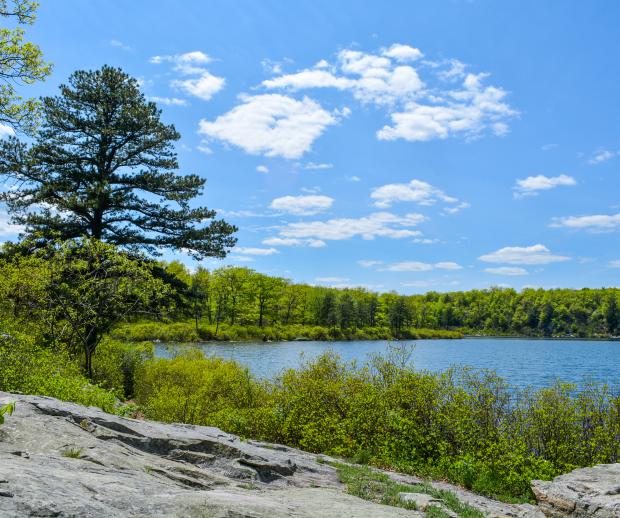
point(413, 146)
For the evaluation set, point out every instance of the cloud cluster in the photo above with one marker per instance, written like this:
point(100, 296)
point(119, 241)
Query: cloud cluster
point(535, 254)
point(532, 185)
point(196, 79)
point(467, 112)
point(416, 191)
point(593, 223)
point(372, 78)
point(302, 205)
point(7, 228)
point(419, 109)
point(377, 224)
point(271, 125)
point(255, 251)
point(289, 241)
point(602, 155)
point(423, 99)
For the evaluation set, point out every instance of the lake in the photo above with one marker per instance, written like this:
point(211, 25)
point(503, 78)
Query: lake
point(522, 362)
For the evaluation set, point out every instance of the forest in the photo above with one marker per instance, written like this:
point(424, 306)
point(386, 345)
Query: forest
point(238, 297)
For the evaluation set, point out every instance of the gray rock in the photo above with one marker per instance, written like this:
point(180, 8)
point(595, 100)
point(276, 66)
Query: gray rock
point(421, 500)
point(489, 507)
point(63, 460)
point(584, 492)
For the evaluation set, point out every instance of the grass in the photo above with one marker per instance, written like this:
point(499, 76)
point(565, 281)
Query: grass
point(366, 483)
point(72, 453)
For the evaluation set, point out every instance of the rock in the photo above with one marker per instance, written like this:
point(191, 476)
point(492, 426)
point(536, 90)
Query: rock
point(421, 500)
point(584, 492)
point(489, 508)
point(64, 460)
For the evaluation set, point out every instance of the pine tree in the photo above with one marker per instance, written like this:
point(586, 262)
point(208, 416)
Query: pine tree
point(104, 166)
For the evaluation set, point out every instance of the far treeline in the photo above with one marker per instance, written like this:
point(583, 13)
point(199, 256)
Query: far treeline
point(215, 302)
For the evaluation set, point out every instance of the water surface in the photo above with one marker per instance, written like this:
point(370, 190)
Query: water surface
point(522, 362)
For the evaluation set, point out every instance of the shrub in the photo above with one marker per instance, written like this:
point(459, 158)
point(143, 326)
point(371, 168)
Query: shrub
point(191, 388)
point(116, 363)
point(26, 368)
point(465, 425)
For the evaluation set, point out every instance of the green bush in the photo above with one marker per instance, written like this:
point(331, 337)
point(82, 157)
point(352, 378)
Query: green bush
point(28, 369)
point(465, 425)
point(116, 363)
point(187, 332)
point(193, 389)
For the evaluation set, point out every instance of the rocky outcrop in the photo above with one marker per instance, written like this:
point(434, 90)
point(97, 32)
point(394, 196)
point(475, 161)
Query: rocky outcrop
point(63, 460)
point(584, 492)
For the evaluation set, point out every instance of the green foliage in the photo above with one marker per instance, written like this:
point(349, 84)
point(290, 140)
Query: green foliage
point(238, 304)
point(116, 364)
point(21, 62)
point(104, 166)
point(193, 389)
point(464, 425)
point(375, 486)
point(186, 332)
point(30, 369)
point(77, 290)
point(7, 409)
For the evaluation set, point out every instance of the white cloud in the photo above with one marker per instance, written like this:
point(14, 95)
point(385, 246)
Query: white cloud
point(371, 78)
point(595, 222)
point(203, 85)
point(240, 213)
point(262, 169)
point(420, 109)
point(255, 251)
point(467, 112)
point(448, 265)
point(271, 125)
point(417, 266)
point(119, 44)
point(7, 228)
point(354, 178)
point(312, 165)
point(425, 241)
point(532, 185)
point(193, 58)
point(507, 270)
point(403, 52)
point(614, 264)
point(377, 224)
point(602, 155)
point(535, 254)
point(6, 131)
point(168, 101)
point(302, 205)
point(204, 148)
point(455, 70)
point(416, 191)
point(287, 241)
point(450, 211)
point(369, 263)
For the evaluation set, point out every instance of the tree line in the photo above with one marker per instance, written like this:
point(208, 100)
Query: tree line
point(242, 296)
